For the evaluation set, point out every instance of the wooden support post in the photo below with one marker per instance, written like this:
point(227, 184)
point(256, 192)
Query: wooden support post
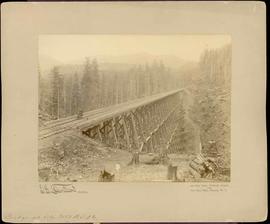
point(162, 105)
point(99, 133)
point(159, 111)
point(126, 133)
point(142, 122)
point(162, 136)
point(141, 147)
point(145, 117)
point(154, 115)
point(151, 119)
point(135, 131)
point(91, 132)
point(157, 139)
point(147, 146)
point(140, 126)
point(114, 133)
point(166, 106)
point(155, 112)
point(151, 144)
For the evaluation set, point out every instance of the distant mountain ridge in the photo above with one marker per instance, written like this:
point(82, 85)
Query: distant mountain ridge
point(47, 63)
point(111, 62)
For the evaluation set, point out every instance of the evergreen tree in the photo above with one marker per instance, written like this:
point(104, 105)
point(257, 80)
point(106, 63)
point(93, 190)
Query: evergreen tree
point(211, 109)
point(162, 80)
point(86, 86)
point(68, 83)
point(147, 78)
point(57, 93)
point(94, 85)
point(75, 96)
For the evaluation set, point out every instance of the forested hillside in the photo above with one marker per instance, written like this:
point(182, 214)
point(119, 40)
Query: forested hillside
point(212, 103)
point(65, 90)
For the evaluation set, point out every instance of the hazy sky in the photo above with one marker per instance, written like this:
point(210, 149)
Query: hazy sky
point(68, 48)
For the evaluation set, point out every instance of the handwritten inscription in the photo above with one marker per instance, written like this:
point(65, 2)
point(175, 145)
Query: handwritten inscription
point(56, 188)
point(209, 187)
point(60, 217)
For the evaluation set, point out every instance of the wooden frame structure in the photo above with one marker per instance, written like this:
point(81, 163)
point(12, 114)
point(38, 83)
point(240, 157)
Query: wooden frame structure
point(147, 128)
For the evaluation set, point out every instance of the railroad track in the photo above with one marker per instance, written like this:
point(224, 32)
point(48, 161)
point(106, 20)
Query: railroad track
point(64, 124)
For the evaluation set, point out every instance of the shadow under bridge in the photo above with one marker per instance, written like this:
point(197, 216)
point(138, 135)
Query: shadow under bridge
point(148, 125)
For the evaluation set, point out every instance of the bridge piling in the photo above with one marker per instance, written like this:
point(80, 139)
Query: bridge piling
point(114, 133)
point(147, 128)
point(126, 133)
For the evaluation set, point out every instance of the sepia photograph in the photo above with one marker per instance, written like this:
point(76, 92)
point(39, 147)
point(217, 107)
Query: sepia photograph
point(134, 112)
point(134, 108)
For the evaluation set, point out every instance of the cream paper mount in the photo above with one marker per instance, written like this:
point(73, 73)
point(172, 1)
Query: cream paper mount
point(134, 112)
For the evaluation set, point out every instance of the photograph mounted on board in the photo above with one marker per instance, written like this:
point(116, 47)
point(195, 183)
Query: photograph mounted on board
point(134, 108)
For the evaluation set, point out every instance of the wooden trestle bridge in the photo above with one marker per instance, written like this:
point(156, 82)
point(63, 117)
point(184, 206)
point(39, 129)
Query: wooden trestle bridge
point(143, 125)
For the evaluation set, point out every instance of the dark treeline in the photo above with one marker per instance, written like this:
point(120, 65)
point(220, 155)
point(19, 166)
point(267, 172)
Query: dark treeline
point(215, 67)
point(63, 95)
point(211, 110)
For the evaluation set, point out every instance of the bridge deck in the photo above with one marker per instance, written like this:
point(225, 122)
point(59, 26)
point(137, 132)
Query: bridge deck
point(91, 117)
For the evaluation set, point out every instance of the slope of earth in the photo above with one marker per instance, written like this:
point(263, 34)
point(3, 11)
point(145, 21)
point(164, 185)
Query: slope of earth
point(77, 158)
point(81, 159)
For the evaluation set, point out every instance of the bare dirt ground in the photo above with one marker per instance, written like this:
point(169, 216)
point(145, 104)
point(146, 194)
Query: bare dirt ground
point(84, 159)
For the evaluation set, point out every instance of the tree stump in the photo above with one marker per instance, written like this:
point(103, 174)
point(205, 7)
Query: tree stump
point(135, 159)
point(105, 176)
point(172, 173)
